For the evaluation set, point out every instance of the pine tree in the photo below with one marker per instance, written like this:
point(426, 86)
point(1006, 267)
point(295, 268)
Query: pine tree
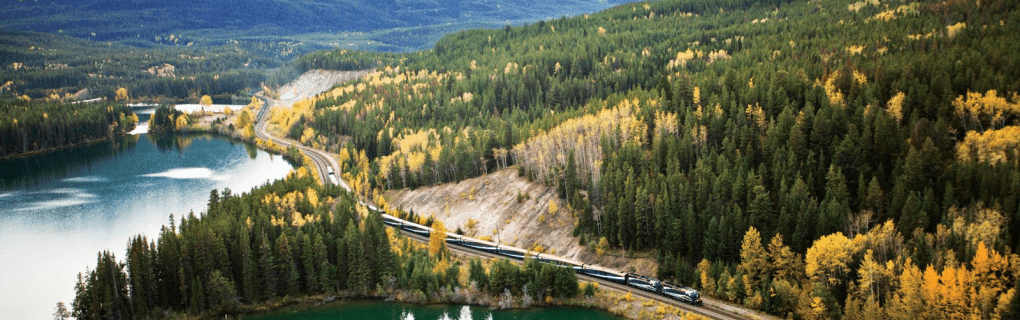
point(249, 269)
point(357, 278)
point(753, 259)
point(322, 263)
point(222, 294)
point(286, 268)
point(267, 269)
point(311, 273)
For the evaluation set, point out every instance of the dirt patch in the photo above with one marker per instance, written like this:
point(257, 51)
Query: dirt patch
point(309, 84)
point(314, 82)
point(492, 201)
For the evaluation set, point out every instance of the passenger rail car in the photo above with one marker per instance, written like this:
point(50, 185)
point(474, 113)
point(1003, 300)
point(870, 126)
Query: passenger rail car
point(478, 244)
point(557, 261)
point(649, 284)
point(512, 252)
point(602, 273)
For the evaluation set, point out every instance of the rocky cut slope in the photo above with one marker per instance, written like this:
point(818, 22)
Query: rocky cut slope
point(508, 209)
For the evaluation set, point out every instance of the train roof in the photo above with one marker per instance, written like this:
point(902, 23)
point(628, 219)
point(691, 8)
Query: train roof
point(678, 288)
point(412, 224)
point(479, 241)
point(559, 259)
point(603, 269)
point(638, 276)
point(515, 249)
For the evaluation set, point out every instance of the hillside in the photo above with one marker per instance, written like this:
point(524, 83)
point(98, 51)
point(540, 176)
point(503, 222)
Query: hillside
point(173, 22)
point(774, 154)
point(491, 201)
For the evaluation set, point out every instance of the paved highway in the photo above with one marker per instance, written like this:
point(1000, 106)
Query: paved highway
point(322, 160)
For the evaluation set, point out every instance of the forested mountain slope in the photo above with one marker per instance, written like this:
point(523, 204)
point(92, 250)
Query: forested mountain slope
point(873, 142)
point(106, 20)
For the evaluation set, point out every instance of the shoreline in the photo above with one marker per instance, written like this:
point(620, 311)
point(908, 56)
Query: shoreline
point(309, 303)
point(75, 145)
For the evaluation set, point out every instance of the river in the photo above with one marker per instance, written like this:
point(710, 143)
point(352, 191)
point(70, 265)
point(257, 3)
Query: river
point(59, 210)
point(377, 310)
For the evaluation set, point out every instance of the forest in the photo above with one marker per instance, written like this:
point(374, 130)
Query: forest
point(871, 143)
point(41, 65)
point(285, 240)
point(31, 126)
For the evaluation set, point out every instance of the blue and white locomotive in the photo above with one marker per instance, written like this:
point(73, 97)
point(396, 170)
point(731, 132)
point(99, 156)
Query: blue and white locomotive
point(649, 284)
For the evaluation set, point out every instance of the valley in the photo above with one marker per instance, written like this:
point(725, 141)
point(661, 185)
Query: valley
point(831, 159)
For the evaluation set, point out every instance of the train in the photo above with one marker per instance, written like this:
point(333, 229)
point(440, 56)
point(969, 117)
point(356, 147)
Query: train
point(332, 176)
point(649, 284)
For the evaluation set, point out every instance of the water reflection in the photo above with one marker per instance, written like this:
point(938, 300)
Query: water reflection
point(58, 210)
point(25, 172)
point(368, 310)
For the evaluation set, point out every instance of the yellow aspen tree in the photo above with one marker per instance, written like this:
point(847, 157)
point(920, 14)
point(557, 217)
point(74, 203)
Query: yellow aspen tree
point(783, 260)
point(437, 239)
point(707, 282)
point(908, 302)
point(895, 106)
point(244, 119)
point(249, 131)
point(181, 122)
point(932, 290)
point(989, 268)
point(307, 135)
point(255, 103)
point(826, 260)
point(870, 275)
point(122, 94)
point(956, 295)
point(205, 101)
point(312, 196)
point(753, 259)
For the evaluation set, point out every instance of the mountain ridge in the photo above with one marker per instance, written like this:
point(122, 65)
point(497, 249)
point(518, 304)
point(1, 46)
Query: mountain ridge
point(112, 20)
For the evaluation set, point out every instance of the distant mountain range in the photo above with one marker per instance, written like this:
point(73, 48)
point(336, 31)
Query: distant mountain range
point(112, 20)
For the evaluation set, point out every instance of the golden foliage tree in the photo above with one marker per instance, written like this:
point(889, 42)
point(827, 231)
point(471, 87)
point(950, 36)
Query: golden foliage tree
point(784, 263)
point(895, 106)
point(753, 260)
point(122, 94)
point(992, 146)
point(544, 152)
point(181, 122)
point(988, 111)
point(205, 101)
point(437, 239)
point(244, 119)
point(827, 260)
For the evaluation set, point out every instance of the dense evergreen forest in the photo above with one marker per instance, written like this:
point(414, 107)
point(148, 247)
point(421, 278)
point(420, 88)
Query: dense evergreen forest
point(282, 241)
point(872, 143)
point(41, 65)
point(30, 126)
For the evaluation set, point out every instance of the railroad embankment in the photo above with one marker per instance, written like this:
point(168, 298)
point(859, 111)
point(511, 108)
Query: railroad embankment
point(508, 209)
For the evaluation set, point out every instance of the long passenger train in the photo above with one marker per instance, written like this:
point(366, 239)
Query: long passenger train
point(676, 292)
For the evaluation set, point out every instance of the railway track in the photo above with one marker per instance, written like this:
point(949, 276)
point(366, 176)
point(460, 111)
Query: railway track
point(704, 310)
point(323, 161)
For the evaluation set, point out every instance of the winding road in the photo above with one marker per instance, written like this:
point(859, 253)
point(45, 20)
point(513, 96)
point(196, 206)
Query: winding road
point(710, 308)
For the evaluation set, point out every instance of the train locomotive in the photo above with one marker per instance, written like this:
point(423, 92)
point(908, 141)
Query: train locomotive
point(332, 176)
point(649, 284)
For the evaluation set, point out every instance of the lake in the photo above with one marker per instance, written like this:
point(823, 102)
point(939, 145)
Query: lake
point(59, 210)
point(373, 310)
